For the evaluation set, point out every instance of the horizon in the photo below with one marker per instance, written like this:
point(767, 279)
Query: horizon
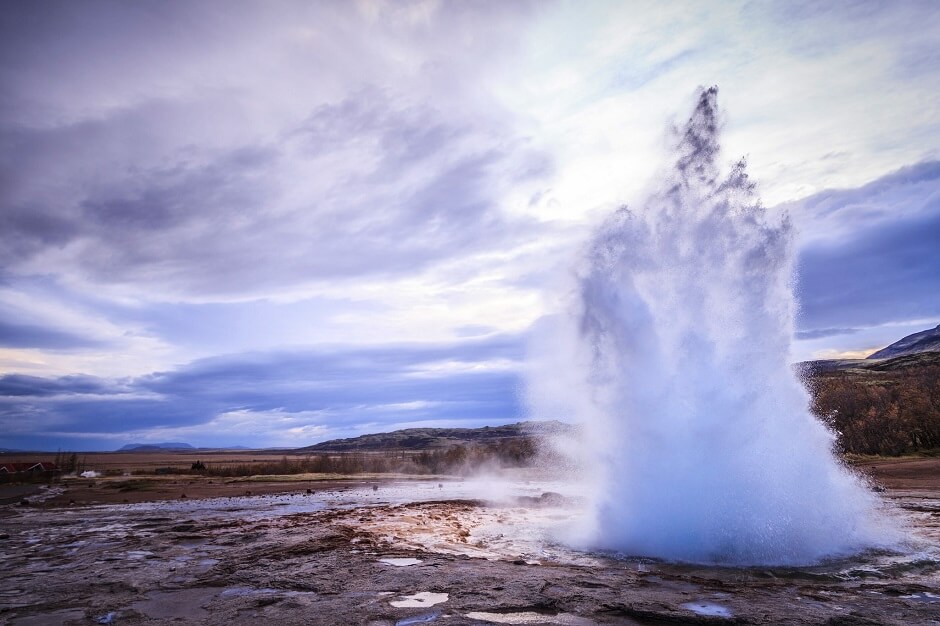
point(327, 220)
point(181, 446)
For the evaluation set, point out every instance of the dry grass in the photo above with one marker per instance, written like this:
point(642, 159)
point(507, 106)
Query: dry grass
point(305, 466)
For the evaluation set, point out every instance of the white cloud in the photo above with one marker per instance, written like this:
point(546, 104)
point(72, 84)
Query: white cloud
point(191, 182)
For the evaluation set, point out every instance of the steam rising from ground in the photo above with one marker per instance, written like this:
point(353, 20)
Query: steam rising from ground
point(698, 439)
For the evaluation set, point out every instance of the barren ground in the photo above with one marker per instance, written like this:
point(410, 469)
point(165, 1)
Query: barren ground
point(412, 552)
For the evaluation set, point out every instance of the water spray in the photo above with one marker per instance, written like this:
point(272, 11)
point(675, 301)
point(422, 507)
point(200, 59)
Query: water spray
point(698, 438)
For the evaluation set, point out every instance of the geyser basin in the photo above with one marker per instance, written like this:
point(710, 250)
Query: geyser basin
point(675, 355)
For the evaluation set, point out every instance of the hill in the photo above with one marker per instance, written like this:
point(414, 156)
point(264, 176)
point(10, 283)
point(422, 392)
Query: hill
point(437, 438)
point(154, 447)
point(879, 406)
point(924, 341)
point(869, 365)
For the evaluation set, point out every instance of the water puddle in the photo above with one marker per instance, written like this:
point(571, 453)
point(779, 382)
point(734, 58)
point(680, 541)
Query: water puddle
point(136, 555)
point(706, 608)
point(246, 592)
point(420, 600)
point(923, 596)
point(419, 619)
point(401, 562)
point(528, 617)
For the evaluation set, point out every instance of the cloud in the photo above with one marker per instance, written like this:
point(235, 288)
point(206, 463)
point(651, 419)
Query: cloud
point(13, 335)
point(368, 187)
point(38, 387)
point(840, 213)
point(288, 398)
point(820, 333)
point(340, 178)
point(844, 354)
point(883, 266)
point(277, 171)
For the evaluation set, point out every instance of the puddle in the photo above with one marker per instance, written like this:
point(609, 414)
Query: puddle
point(706, 608)
point(242, 592)
point(419, 600)
point(401, 562)
point(419, 619)
point(136, 555)
point(923, 596)
point(246, 507)
point(529, 617)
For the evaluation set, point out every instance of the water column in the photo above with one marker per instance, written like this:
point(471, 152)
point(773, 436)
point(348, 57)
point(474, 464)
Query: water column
point(700, 445)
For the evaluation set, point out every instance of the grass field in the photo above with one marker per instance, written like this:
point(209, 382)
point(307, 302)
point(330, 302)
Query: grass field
point(135, 463)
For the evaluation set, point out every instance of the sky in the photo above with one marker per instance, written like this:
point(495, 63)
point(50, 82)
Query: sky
point(276, 223)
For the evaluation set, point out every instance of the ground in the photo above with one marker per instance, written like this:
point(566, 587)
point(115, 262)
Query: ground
point(411, 552)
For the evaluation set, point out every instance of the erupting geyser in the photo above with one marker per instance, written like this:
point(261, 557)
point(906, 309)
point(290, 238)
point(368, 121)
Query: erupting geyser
point(697, 430)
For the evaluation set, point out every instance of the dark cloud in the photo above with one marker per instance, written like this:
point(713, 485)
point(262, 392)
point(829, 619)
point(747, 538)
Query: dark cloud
point(341, 379)
point(217, 222)
point(148, 174)
point(820, 333)
point(885, 270)
point(380, 386)
point(897, 194)
point(20, 385)
point(14, 335)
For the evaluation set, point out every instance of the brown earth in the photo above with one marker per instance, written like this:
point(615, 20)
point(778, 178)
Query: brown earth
point(123, 565)
point(78, 492)
point(147, 462)
point(905, 473)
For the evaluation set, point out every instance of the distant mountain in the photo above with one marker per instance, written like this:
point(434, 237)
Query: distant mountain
point(924, 341)
point(154, 447)
point(426, 438)
point(869, 365)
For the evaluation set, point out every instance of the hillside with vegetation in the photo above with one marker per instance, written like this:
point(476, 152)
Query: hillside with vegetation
point(416, 439)
point(879, 406)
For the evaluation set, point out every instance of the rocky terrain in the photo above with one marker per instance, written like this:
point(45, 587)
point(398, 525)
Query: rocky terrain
point(426, 552)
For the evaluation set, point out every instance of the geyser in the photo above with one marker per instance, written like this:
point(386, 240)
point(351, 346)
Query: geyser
point(698, 434)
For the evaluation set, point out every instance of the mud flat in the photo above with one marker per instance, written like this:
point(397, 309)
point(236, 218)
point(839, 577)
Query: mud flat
point(422, 552)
